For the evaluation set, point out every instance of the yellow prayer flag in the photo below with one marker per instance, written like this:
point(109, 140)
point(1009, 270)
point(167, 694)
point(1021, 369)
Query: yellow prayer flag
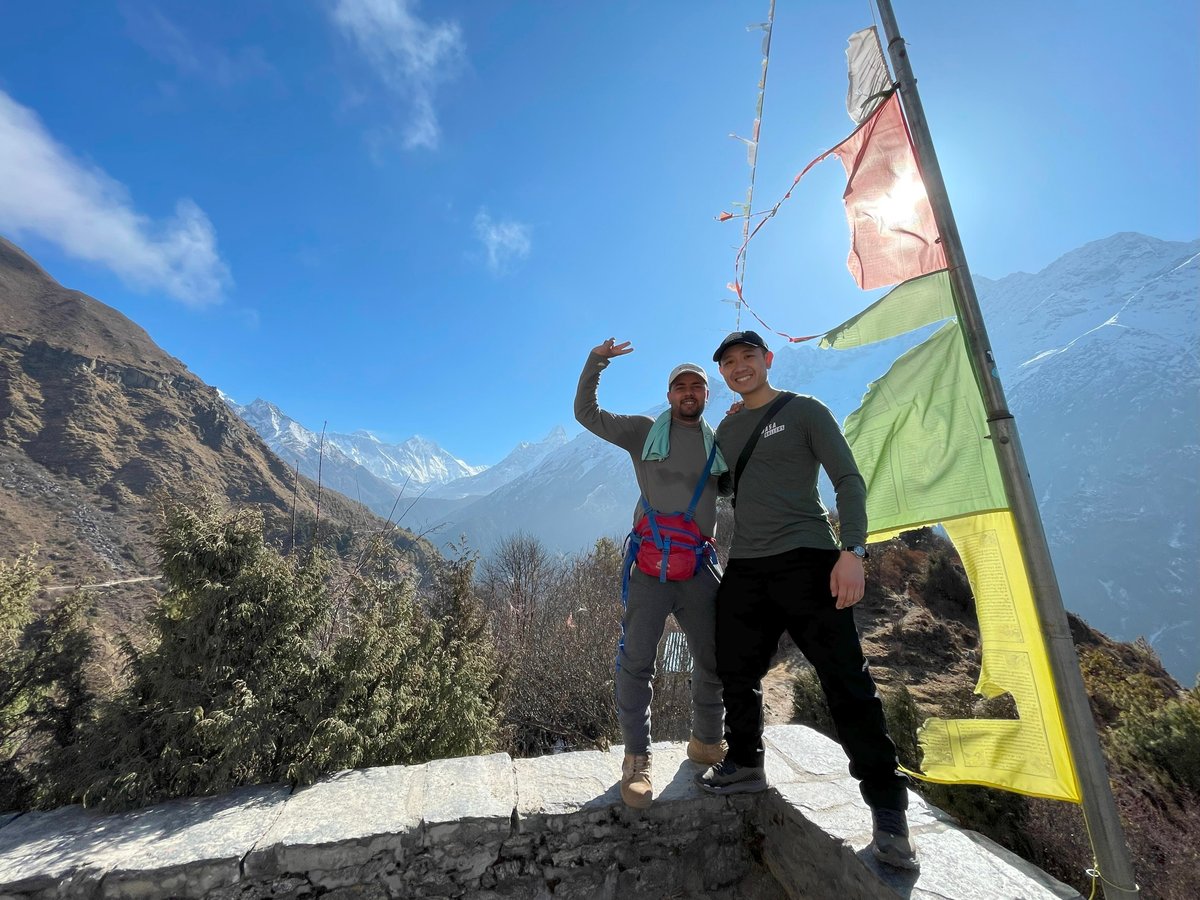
point(1028, 755)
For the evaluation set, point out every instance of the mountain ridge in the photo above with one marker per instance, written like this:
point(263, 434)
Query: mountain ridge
point(96, 420)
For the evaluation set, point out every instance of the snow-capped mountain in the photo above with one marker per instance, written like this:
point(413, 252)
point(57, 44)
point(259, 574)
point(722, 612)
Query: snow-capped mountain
point(417, 461)
point(298, 446)
point(359, 465)
point(579, 492)
point(1101, 356)
point(524, 457)
point(430, 482)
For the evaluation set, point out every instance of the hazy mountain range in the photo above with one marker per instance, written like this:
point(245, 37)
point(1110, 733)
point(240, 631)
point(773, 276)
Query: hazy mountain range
point(1100, 355)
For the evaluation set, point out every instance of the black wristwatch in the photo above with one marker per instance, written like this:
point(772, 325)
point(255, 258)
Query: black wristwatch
point(857, 549)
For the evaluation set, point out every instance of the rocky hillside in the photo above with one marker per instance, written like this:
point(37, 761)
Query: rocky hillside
point(95, 418)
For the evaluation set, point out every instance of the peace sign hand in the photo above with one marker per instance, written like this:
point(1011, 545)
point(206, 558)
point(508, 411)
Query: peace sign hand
point(611, 348)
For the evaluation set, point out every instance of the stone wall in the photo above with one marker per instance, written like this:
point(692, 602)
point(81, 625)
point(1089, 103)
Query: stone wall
point(493, 827)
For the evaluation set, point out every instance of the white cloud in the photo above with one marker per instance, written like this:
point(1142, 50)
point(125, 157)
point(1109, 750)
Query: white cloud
point(507, 242)
point(409, 55)
point(169, 43)
point(46, 191)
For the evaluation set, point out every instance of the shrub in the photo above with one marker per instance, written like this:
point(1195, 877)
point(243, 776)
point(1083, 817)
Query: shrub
point(43, 694)
point(556, 625)
point(1166, 737)
point(1150, 726)
point(267, 668)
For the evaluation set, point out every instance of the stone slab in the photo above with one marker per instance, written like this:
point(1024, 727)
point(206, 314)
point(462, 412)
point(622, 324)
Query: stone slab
point(342, 820)
point(802, 754)
point(959, 865)
point(565, 783)
point(207, 836)
point(39, 850)
point(185, 848)
point(472, 787)
point(446, 823)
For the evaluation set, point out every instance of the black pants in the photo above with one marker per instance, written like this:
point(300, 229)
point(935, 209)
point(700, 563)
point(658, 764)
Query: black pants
point(761, 597)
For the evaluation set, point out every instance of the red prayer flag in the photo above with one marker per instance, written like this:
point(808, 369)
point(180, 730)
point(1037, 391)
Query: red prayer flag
point(892, 232)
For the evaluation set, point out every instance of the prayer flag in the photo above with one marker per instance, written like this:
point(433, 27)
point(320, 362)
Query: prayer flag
point(869, 78)
point(892, 231)
point(921, 441)
point(904, 308)
point(1028, 755)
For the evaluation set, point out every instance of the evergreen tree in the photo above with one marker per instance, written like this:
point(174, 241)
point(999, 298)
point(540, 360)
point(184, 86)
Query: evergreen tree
point(43, 694)
point(268, 668)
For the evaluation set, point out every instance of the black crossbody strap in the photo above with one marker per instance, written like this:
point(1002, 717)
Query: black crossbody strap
point(780, 402)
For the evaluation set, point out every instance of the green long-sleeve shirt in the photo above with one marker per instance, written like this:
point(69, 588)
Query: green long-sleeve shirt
point(666, 484)
point(778, 505)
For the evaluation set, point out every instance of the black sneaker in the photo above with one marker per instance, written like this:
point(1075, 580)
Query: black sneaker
point(891, 844)
point(728, 777)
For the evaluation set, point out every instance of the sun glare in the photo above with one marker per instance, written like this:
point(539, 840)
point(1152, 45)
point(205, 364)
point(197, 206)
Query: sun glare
point(900, 208)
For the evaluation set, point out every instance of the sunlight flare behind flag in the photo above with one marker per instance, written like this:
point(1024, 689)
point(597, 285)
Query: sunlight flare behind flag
point(892, 232)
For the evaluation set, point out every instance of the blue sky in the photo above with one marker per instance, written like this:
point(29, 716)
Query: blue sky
point(417, 218)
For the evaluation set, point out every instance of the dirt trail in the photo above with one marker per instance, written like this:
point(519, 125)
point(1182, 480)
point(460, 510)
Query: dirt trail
point(777, 687)
point(102, 584)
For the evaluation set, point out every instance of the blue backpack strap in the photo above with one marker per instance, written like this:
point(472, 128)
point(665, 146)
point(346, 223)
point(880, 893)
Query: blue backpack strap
point(691, 510)
point(631, 549)
point(654, 532)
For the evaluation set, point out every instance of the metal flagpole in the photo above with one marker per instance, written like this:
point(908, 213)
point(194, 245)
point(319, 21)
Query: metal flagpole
point(1099, 807)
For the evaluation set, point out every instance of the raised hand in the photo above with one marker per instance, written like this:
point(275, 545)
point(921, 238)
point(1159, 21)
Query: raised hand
point(611, 348)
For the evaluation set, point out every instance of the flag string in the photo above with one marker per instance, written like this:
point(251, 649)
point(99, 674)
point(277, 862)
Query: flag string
point(739, 262)
point(764, 216)
point(752, 143)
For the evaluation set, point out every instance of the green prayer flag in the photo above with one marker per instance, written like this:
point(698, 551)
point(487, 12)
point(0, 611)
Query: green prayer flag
point(920, 439)
point(904, 308)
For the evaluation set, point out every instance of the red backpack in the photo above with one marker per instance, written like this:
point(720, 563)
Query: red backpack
point(669, 546)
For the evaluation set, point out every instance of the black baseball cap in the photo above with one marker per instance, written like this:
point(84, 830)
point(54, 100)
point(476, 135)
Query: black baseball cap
point(739, 337)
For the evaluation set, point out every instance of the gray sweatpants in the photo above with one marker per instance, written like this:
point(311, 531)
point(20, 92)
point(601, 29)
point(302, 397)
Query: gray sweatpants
point(694, 604)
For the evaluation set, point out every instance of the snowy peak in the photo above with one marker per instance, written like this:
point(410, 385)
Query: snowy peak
point(283, 434)
point(1125, 280)
point(417, 462)
point(523, 458)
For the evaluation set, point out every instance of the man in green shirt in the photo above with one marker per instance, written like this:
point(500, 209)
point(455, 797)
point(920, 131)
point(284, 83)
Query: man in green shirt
point(789, 571)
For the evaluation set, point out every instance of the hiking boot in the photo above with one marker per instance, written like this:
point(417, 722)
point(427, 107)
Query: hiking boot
point(728, 777)
point(891, 844)
point(636, 789)
point(706, 754)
